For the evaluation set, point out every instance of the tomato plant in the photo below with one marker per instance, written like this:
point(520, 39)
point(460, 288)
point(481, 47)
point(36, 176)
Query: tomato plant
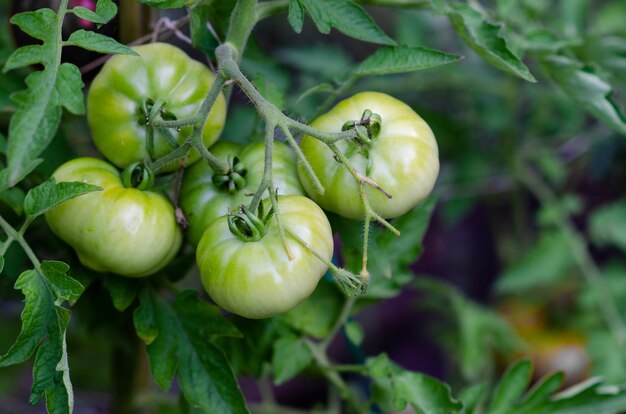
point(205, 195)
point(401, 167)
point(121, 230)
point(398, 152)
point(131, 91)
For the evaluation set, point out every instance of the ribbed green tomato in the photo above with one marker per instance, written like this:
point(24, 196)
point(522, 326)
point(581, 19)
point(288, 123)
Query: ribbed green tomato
point(202, 201)
point(121, 230)
point(256, 279)
point(403, 158)
point(125, 91)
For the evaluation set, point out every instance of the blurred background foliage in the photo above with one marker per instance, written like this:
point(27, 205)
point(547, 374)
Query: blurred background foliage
point(528, 171)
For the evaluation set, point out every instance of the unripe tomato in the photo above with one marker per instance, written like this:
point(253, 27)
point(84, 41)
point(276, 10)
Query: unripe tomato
point(203, 198)
point(163, 81)
point(256, 279)
point(121, 230)
point(402, 158)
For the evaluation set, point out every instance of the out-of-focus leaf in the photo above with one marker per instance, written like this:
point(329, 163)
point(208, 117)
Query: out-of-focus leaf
point(542, 40)
point(317, 314)
point(213, 12)
point(402, 59)
point(105, 11)
point(476, 331)
point(291, 356)
point(123, 291)
point(165, 4)
point(354, 332)
point(296, 15)
point(607, 225)
point(423, 393)
point(347, 17)
point(587, 89)
point(270, 92)
point(14, 198)
point(511, 387)
point(549, 261)
point(486, 39)
point(389, 255)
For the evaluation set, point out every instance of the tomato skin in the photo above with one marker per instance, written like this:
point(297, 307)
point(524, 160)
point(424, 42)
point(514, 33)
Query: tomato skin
point(404, 159)
point(117, 94)
point(202, 201)
point(257, 279)
point(121, 230)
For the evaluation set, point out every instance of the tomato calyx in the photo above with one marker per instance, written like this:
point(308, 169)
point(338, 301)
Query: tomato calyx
point(150, 108)
point(367, 129)
point(233, 180)
point(137, 175)
point(248, 226)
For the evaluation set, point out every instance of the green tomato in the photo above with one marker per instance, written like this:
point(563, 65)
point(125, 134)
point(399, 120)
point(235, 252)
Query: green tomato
point(402, 158)
point(203, 200)
point(121, 230)
point(256, 279)
point(162, 82)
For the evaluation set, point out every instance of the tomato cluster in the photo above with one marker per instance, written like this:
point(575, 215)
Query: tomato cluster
point(253, 263)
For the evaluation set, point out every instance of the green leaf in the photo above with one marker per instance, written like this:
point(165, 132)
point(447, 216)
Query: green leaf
point(291, 356)
point(316, 315)
point(164, 4)
point(123, 291)
point(249, 355)
point(70, 89)
point(548, 262)
point(49, 194)
point(542, 40)
point(184, 344)
point(424, 393)
point(1, 263)
point(319, 88)
point(587, 89)
point(37, 114)
point(471, 397)
point(214, 11)
point(347, 17)
point(402, 59)
point(14, 198)
point(354, 332)
point(607, 225)
point(485, 38)
point(39, 24)
point(24, 56)
point(146, 324)
point(92, 16)
point(44, 324)
point(98, 43)
point(270, 92)
point(541, 392)
point(296, 15)
point(511, 387)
